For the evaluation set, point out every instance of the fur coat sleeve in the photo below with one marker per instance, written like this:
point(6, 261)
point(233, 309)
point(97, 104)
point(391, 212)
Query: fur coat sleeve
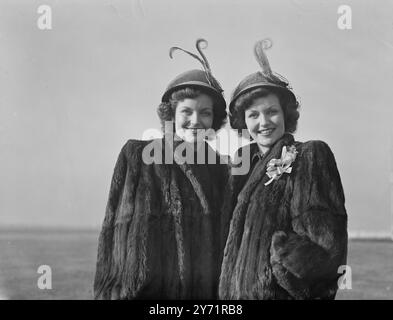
point(306, 258)
point(111, 258)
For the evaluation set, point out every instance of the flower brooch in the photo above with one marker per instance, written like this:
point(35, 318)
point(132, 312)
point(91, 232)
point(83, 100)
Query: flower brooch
point(277, 167)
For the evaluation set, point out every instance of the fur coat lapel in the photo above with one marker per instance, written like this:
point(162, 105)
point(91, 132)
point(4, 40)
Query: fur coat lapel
point(259, 171)
point(176, 207)
point(192, 172)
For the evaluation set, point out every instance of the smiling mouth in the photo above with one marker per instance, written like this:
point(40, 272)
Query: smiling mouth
point(266, 132)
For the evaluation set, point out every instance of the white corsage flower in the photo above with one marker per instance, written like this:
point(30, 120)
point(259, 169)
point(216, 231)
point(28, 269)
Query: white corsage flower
point(277, 167)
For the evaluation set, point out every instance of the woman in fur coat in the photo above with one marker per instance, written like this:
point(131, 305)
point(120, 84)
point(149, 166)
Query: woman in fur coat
point(159, 238)
point(286, 219)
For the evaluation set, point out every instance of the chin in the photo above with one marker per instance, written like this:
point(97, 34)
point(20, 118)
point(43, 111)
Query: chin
point(265, 142)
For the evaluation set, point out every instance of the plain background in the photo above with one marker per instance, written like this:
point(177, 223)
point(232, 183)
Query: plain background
point(70, 97)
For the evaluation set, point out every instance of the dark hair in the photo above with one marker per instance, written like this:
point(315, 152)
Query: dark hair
point(166, 110)
point(289, 107)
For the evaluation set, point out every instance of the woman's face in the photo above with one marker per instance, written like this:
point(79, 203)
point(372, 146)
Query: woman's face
point(265, 121)
point(191, 116)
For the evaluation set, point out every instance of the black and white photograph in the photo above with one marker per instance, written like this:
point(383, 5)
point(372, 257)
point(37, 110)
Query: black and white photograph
point(214, 151)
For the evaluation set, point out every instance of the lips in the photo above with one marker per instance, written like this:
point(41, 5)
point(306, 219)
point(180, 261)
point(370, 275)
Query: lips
point(266, 132)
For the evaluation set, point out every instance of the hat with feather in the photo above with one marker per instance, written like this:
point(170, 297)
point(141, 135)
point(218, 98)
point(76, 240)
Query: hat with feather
point(200, 79)
point(264, 78)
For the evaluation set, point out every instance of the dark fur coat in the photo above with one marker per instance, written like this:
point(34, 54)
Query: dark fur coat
point(160, 238)
point(286, 240)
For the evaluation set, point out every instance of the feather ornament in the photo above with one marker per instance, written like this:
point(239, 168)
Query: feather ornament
point(200, 45)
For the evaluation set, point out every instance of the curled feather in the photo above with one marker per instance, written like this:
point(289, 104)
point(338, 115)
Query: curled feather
point(200, 45)
point(260, 55)
point(206, 65)
point(173, 49)
point(259, 51)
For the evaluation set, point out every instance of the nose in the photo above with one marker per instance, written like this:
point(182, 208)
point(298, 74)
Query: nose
point(194, 118)
point(263, 120)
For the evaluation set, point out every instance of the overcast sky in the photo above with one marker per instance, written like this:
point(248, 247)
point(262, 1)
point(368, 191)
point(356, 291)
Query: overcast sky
point(70, 97)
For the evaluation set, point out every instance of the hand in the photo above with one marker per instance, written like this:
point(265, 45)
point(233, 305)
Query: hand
point(278, 240)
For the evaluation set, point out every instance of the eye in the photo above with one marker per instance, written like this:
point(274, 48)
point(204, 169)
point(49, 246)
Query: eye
point(206, 113)
point(186, 112)
point(273, 111)
point(252, 115)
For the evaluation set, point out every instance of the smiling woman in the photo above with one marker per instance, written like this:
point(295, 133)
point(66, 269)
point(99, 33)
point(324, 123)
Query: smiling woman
point(286, 220)
point(160, 238)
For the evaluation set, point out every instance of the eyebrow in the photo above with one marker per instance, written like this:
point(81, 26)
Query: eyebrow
point(272, 106)
point(203, 109)
point(185, 108)
point(267, 108)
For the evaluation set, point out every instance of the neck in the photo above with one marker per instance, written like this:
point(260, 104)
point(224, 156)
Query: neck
point(263, 149)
